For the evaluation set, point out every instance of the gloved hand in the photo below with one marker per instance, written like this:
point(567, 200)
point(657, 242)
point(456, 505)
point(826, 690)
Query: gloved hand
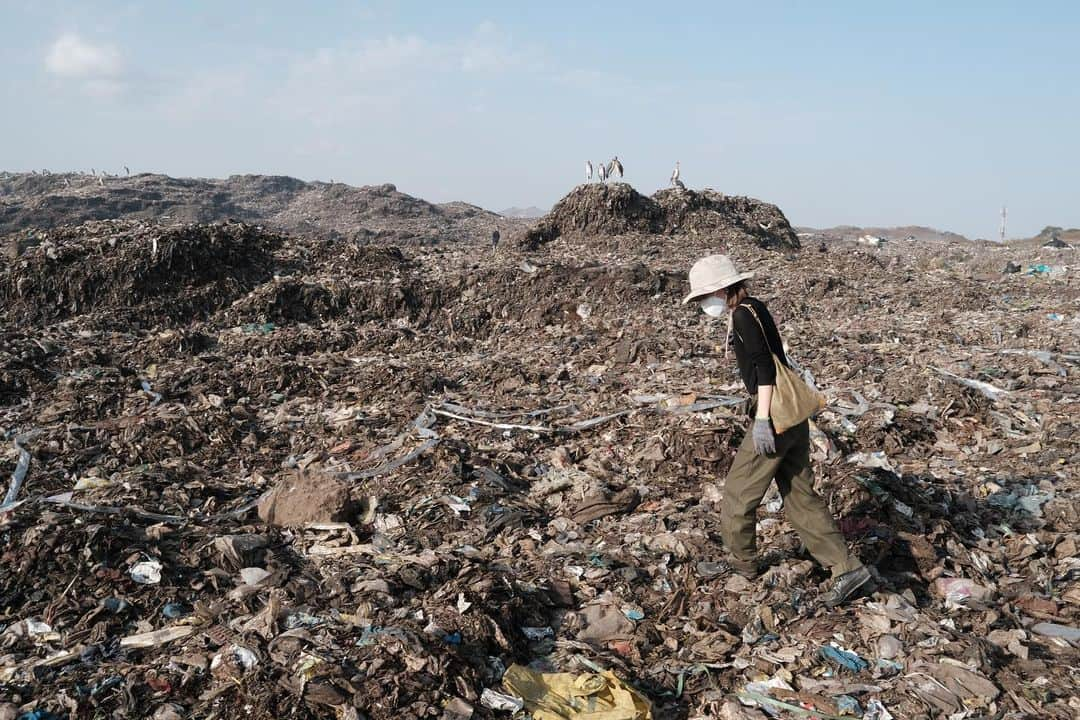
point(763, 436)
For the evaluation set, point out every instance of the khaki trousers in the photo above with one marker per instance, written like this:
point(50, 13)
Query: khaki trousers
point(807, 512)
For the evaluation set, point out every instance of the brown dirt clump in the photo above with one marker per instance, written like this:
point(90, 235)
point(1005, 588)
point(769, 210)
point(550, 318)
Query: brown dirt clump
point(307, 497)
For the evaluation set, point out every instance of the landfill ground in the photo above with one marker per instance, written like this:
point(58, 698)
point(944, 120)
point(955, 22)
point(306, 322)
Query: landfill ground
point(285, 476)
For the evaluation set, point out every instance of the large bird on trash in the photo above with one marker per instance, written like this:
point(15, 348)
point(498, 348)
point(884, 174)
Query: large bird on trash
point(675, 175)
point(601, 172)
point(588, 170)
point(615, 166)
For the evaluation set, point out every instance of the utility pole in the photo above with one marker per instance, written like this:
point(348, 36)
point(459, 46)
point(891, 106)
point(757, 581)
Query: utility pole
point(1004, 212)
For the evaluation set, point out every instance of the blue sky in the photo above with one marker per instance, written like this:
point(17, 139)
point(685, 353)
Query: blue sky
point(839, 112)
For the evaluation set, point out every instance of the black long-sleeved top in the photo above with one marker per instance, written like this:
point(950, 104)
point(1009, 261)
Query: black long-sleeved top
point(751, 348)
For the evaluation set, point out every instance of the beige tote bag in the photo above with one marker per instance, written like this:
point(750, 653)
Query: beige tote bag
point(793, 400)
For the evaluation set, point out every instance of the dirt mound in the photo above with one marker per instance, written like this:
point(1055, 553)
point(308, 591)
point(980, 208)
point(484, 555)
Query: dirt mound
point(617, 209)
point(140, 270)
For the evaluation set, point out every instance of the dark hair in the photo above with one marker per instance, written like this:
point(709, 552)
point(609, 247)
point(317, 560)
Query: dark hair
point(732, 293)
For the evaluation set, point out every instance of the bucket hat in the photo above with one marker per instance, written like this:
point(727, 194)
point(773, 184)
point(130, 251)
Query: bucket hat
point(713, 273)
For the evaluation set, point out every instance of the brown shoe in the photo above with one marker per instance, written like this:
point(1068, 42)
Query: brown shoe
point(749, 569)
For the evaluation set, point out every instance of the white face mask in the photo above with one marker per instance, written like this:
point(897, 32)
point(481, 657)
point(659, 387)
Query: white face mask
point(714, 306)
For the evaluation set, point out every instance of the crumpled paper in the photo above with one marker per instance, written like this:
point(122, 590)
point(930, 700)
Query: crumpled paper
point(566, 696)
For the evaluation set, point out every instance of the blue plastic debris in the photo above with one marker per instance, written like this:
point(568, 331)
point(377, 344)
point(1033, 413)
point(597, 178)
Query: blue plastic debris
point(115, 605)
point(846, 704)
point(844, 658)
point(598, 560)
point(453, 638)
point(633, 614)
point(175, 610)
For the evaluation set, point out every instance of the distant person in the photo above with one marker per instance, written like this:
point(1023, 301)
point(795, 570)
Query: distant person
point(495, 240)
point(763, 455)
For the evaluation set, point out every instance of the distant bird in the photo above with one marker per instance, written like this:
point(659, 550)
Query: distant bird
point(67, 182)
point(617, 166)
point(588, 170)
point(679, 184)
point(101, 181)
point(675, 174)
point(93, 171)
point(126, 170)
point(602, 172)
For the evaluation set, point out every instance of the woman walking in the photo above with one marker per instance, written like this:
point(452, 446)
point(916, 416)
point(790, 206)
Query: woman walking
point(765, 455)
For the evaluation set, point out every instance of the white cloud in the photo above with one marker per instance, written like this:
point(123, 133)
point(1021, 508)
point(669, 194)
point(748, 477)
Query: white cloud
point(377, 78)
point(72, 57)
point(378, 55)
point(487, 49)
point(98, 70)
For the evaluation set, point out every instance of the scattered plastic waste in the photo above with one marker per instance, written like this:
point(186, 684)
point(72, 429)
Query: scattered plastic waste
point(396, 361)
point(565, 696)
point(253, 575)
point(538, 633)
point(957, 591)
point(872, 460)
point(174, 611)
point(233, 661)
point(146, 573)
point(843, 658)
point(1053, 630)
point(876, 711)
point(498, 701)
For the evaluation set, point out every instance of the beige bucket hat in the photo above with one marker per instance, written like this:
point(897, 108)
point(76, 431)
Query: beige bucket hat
point(713, 273)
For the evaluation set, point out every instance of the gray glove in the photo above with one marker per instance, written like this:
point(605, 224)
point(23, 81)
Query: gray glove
point(764, 439)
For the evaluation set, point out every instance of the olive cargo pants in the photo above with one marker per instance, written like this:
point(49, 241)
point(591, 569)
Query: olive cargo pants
point(749, 478)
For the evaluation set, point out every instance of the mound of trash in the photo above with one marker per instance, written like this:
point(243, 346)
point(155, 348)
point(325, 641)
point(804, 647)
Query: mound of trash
point(710, 212)
point(337, 210)
point(142, 270)
point(468, 482)
point(617, 209)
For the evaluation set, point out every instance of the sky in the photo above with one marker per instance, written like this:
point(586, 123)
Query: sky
point(839, 112)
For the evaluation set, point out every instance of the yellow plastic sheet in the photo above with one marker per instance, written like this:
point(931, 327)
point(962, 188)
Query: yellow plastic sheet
point(565, 696)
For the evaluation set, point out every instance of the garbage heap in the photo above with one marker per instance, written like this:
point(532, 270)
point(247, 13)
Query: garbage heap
point(593, 210)
point(143, 271)
point(355, 481)
point(379, 213)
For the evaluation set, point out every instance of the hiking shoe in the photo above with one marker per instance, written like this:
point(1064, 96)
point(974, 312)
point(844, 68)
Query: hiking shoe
point(749, 569)
point(846, 586)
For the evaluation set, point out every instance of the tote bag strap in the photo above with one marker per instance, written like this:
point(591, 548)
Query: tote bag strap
point(764, 335)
